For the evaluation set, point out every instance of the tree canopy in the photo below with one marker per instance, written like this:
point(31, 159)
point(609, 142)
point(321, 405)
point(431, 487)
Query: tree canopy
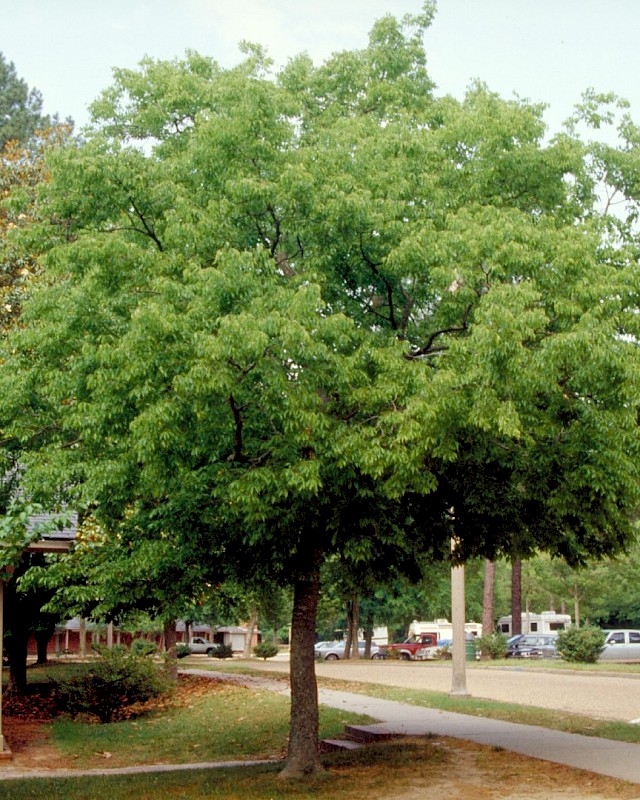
point(325, 312)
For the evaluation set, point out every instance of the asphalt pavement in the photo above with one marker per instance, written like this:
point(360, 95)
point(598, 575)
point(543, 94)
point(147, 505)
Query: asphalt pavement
point(603, 696)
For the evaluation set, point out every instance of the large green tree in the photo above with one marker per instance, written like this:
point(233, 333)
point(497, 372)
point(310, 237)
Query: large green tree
point(328, 313)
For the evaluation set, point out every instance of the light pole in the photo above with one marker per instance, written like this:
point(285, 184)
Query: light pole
point(458, 677)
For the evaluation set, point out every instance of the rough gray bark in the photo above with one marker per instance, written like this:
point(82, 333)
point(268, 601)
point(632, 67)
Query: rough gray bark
point(253, 621)
point(516, 596)
point(488, 599)
point(355, 626)
point(303, 757)
point(171, 653)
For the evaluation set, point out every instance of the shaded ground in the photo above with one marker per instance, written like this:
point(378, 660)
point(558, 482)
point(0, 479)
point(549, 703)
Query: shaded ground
point(436, 768)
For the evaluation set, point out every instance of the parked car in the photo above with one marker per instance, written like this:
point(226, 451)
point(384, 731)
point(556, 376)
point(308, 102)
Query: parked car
point(199, 645)
point(621, 645)
point(533, 645)
point(332, 651)
point(435, 652)
point(407, 650)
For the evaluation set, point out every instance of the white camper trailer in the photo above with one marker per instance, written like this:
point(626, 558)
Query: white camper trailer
point(442, 628)
point(546, 622)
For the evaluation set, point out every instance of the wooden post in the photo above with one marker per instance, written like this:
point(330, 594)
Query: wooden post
point(4, 750)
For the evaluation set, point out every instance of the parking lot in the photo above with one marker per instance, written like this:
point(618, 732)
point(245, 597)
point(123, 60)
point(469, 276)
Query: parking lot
point(601, 696)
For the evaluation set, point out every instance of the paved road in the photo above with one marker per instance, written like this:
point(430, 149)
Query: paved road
point(601, 696)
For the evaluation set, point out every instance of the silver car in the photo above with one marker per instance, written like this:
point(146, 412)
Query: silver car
point(332, 651)
point(621, 645)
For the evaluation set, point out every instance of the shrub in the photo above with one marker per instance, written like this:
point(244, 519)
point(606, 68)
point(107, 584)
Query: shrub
point(580, 645)
point(265, 650)
point(182, 650)
point(444, 653)
point(143, 647)
point(118, 679)
point(492, 646)
point(220, 651)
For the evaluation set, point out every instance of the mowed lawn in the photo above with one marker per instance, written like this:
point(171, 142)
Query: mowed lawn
point(208, 720)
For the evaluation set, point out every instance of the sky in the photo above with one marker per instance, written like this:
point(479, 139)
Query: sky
point(543, 50)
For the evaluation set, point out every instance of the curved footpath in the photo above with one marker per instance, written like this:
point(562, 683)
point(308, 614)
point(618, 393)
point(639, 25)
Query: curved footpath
point(603, 756)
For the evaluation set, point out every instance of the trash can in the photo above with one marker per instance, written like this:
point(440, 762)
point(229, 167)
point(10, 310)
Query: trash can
point(470, 646)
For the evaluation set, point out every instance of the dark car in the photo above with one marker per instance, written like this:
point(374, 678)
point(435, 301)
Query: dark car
point(533, 645)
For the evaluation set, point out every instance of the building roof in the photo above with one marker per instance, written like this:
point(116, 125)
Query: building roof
point(53, 540)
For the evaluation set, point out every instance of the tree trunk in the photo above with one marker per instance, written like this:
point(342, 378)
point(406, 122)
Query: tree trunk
point(349, 631)
point(171, 653)
point(368, 634)
point(17, 651)
point(488, 598)
point(42, 638)
point(303, 757)
point(253, 621)
point(516, 597)
point(355, 625)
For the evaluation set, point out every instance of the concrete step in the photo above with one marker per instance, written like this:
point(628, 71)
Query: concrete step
point(366, 734)
point(335, 745)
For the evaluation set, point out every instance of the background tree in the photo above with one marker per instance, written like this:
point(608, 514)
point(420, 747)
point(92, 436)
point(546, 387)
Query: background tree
point(488, 597)
point(20, 107)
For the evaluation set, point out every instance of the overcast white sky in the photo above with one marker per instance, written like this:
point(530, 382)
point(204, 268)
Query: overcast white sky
point(544, 50)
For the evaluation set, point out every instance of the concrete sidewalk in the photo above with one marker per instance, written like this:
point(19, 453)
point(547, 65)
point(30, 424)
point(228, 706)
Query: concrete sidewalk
point(603, 756)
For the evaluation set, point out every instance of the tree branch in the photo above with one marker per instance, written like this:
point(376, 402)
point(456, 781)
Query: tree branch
point(429, 349)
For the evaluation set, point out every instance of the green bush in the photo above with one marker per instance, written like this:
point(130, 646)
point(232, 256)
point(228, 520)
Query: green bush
point(220, 651)
point(265, 650)
point(182, 650)
point(492, 646)
point(580, 645)
point(443, 653)
point(118, 679)
point(143, 647)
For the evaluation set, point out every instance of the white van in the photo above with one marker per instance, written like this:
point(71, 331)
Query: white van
point(621, 645)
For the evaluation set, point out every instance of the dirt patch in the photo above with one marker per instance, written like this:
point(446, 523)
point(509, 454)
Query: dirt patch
point(484, 773)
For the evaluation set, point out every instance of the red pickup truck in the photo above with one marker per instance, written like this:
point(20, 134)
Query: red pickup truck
point(407, 650)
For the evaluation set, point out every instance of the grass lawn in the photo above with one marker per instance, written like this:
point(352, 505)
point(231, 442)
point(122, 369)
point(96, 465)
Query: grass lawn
point(220, 721)
point(437, 769)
